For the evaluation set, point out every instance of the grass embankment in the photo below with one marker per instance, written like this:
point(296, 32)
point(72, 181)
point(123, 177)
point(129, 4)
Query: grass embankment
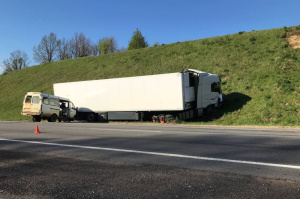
point(260, 75)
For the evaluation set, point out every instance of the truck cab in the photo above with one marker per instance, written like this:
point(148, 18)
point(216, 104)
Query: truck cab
point(207, 89)
point(44, 106)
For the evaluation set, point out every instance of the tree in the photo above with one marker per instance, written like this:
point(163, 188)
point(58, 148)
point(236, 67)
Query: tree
point(108, 45)
point(103, 46)
point(81, 46)
point(122, 49)
point(95, 50)
point(64, 50)
point(18, 60)
point(137, 41)
point(156, 43)
point(45, 52)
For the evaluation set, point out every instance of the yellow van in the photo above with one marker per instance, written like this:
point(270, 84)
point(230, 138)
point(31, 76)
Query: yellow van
point(44, 106)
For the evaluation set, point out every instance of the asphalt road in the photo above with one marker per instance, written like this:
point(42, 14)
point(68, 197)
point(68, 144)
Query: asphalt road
point(270, 155)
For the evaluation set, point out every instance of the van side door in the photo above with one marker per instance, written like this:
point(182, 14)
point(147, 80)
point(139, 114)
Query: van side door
point(46, 107)
point(54, 106)
point(72, 110)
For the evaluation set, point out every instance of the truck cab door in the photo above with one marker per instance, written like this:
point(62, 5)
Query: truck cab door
point(211, 90)
point(205, 87)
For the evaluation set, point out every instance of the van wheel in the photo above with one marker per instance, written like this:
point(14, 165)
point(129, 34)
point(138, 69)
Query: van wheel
point(52, 118)
point(36, 118)
point(74, 118)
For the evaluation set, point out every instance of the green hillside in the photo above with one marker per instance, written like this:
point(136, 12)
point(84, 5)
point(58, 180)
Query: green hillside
point(260, 75)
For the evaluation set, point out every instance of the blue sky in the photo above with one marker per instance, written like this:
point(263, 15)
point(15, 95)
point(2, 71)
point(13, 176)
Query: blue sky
point(23, 23)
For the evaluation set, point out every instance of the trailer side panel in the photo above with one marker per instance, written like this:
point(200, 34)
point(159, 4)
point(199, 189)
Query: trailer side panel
point(144, 93)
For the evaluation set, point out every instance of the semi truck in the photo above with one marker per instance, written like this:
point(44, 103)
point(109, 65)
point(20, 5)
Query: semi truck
point(186, 95)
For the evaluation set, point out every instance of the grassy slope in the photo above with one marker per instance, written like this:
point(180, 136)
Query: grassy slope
point(260, 75)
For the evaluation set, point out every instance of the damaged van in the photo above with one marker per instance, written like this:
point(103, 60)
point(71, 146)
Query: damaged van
point(44, 106)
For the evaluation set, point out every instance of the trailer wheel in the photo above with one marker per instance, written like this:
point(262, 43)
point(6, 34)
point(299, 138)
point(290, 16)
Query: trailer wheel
point(91, 117)
point(142, 116)
point(52, 118)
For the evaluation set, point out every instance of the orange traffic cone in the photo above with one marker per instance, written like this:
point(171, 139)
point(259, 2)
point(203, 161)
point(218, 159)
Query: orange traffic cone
point(37, 130)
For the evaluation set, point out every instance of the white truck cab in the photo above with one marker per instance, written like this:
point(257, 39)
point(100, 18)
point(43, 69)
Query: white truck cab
point(44, 106)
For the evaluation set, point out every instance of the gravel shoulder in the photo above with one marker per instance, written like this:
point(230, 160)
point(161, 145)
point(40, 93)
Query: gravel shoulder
point(31, 175)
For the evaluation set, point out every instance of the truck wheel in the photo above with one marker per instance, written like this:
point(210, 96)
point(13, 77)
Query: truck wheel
point(209, 113)
point(219, 103)
point(91, 117)
point(52, 118)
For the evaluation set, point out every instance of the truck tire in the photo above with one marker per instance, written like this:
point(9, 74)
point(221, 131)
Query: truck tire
point(91, 117)
point(52, 118)
point(142, 116)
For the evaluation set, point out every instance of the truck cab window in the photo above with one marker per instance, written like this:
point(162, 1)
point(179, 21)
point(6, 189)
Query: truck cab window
point(191, 79)
point(216, 87)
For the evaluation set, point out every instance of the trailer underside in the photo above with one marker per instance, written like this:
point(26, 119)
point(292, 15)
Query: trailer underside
point(139, 115)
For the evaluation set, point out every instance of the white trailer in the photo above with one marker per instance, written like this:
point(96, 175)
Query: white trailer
point(185, 94)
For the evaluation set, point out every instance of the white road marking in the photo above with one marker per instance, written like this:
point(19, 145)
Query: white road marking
point(127, 130)
point(159, 154)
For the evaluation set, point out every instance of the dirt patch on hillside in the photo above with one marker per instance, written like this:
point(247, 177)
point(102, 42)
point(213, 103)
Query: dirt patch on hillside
point(294, 41)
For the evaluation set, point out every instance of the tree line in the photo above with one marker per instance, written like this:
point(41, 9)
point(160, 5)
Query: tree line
point(52, 49)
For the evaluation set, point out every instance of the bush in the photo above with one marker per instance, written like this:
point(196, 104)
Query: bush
point(252, 39)
point(268, 96)
point(285, 85)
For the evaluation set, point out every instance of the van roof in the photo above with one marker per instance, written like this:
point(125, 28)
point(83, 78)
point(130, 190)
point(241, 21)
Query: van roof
point(48, 95)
